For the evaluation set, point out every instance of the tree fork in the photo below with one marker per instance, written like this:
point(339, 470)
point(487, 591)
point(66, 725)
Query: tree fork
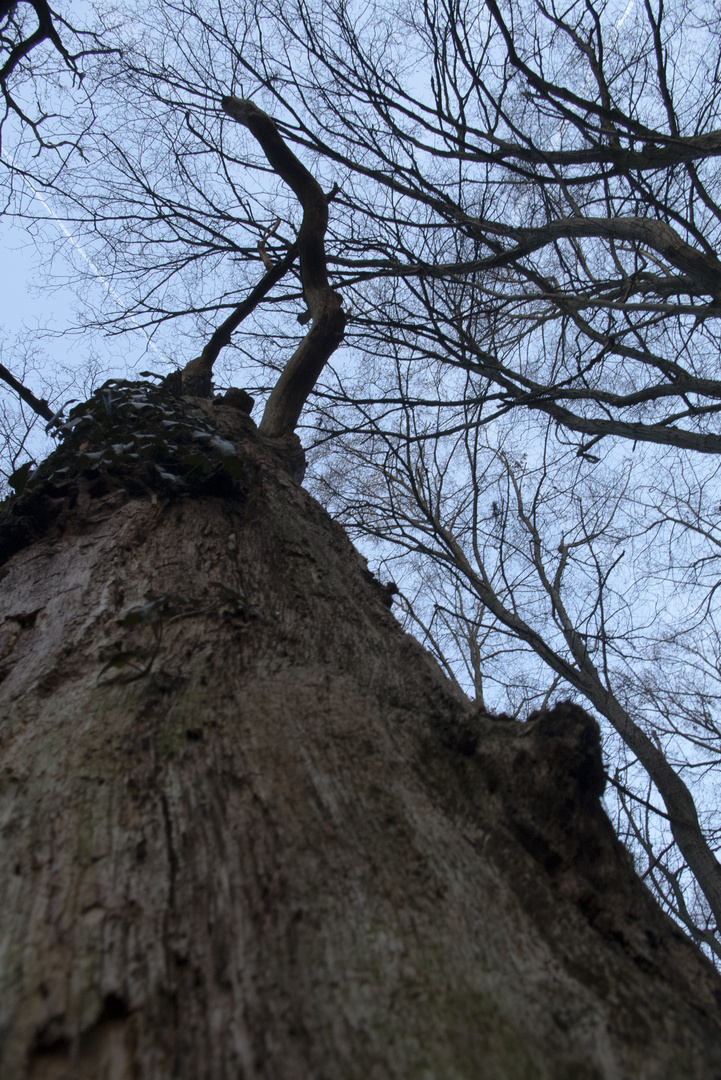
point(196, 376)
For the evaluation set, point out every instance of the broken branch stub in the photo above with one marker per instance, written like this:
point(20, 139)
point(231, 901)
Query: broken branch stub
point(326, 333)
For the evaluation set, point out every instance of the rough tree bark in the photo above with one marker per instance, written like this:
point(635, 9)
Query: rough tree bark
point(250, 830)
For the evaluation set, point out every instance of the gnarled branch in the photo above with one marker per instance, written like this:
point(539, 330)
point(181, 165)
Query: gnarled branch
point(326, 333)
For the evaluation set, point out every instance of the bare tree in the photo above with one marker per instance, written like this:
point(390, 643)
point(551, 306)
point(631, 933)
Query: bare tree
point(252, 827)
point(525, 226)
point(547, 225)
point(43, 52)
point(248, 827)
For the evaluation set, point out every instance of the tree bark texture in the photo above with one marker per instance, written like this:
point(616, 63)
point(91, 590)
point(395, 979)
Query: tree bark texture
point(249, 830)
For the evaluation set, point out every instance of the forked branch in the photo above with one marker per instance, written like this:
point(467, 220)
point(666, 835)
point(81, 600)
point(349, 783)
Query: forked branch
point(196, 377)
point(300, 374)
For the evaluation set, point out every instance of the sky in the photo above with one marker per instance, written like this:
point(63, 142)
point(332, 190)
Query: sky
point(37, 311)
point(19, 308)
point(46, 309)
point(26, 306)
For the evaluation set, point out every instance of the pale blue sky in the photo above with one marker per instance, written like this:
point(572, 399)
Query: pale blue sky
point(28, 302)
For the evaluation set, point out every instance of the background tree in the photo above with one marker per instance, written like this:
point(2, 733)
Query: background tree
point(44, 108)
point(526, 242)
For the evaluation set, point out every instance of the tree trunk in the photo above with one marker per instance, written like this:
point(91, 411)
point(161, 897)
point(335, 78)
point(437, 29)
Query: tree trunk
point(249, 830)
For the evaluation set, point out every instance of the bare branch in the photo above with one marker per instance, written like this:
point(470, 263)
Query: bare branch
point(39, 406)
point(326, 333)
point(196, 376)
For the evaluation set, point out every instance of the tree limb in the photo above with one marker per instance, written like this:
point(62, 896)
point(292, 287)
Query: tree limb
point(197, 374)
point(40, 406)
point(45, 31)
point(326, 333)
